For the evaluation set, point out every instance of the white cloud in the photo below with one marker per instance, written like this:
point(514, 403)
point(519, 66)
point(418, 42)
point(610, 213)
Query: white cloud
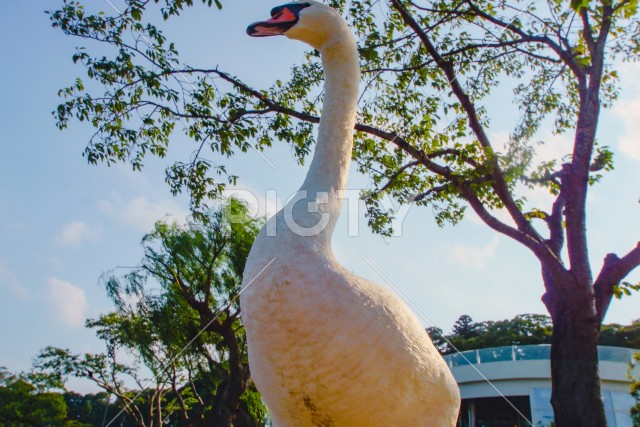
point(141, 212)
point(628, 110)
point(76, 233)
point(628, 72)
point(499, 139)
point(9, 281)
point(476, 256)
point(501, 214)
point(69, 302)
point(629, 113)
point(17, 226)
point(553, 147)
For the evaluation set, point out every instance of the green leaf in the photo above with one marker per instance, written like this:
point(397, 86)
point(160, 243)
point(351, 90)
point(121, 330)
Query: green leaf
point(578, 5)
point(625, 289)
point(136, 13)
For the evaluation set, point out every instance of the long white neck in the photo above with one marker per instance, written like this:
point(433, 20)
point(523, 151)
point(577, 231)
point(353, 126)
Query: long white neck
point(330, 165)
point(329, 168)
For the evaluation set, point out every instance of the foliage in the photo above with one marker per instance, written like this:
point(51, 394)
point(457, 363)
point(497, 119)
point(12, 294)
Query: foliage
point(439, 149)
point(466, 334)
point(22, 404)
point(625, 289)
point(91, 409)
point(110, 375)
point(621, 335)
point(178, 314)
point(523, 329)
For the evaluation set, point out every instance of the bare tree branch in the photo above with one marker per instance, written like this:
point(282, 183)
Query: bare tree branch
point(565, 55)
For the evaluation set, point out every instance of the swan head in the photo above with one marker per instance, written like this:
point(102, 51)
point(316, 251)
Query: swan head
point(309, 21)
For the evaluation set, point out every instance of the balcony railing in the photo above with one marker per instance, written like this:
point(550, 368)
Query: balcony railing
point(529, 352)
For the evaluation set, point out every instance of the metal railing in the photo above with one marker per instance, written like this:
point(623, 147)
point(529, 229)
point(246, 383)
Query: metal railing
point(529, 352)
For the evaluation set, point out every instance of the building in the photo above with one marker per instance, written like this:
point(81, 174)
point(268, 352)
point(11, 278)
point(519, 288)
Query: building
point(510, 386)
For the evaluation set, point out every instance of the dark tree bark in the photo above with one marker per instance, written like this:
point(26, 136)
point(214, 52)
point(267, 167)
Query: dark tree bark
point(226, 406)
point(575, 393)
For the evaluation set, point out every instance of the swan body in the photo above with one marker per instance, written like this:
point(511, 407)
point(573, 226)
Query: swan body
point(328, 348)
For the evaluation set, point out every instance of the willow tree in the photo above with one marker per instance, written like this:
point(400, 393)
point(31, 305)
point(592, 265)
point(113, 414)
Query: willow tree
point(430, 67)
point(178, 314)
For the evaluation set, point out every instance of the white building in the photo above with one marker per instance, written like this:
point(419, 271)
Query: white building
point(511, 386)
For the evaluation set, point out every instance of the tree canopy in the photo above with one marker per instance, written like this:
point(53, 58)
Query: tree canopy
point(21, 403)
point(523, 329)
point(423, 126)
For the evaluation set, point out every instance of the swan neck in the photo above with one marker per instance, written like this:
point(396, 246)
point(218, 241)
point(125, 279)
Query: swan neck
point(330, 165)
point(314, 211)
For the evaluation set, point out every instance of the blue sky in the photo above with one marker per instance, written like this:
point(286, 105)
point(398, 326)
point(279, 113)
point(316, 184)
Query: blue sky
point(63, 223)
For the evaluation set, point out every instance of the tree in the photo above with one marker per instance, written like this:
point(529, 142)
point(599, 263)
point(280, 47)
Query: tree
point(22, 404)
point(438, 338)
point(89, 409)
point(523, 329)
point(621, 335)
point(464, 330)
point(178, 313)
point(144, 404)
point(465, 327)
point(422, 131)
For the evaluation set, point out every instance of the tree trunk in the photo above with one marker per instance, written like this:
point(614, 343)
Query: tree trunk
point(237, 382)
point(576, 397)
point(226, 405)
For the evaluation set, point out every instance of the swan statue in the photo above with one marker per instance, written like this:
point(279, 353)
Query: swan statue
point(326, 347)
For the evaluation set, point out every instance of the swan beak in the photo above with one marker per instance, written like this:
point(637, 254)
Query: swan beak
point(282, 19)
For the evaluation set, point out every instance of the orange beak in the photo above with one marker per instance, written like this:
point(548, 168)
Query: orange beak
point(282, 19)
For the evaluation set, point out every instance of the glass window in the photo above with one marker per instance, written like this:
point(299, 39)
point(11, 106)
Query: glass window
point(495, 412)
point(606, 397)
point(497, 354)
point(614, 354)
point(541, 410)
point(622, 403)
point(533, 352)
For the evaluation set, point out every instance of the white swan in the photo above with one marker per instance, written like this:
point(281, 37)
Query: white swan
point(328, 348)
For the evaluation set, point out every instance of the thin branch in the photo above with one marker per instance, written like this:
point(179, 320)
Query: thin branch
point(546, 257)
point(565, 55)
point(395, 175)
point(436, 189)
point(500, 186)
point(621, 5)
point(534, 16)
point(555, 221)
point(587, 31)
